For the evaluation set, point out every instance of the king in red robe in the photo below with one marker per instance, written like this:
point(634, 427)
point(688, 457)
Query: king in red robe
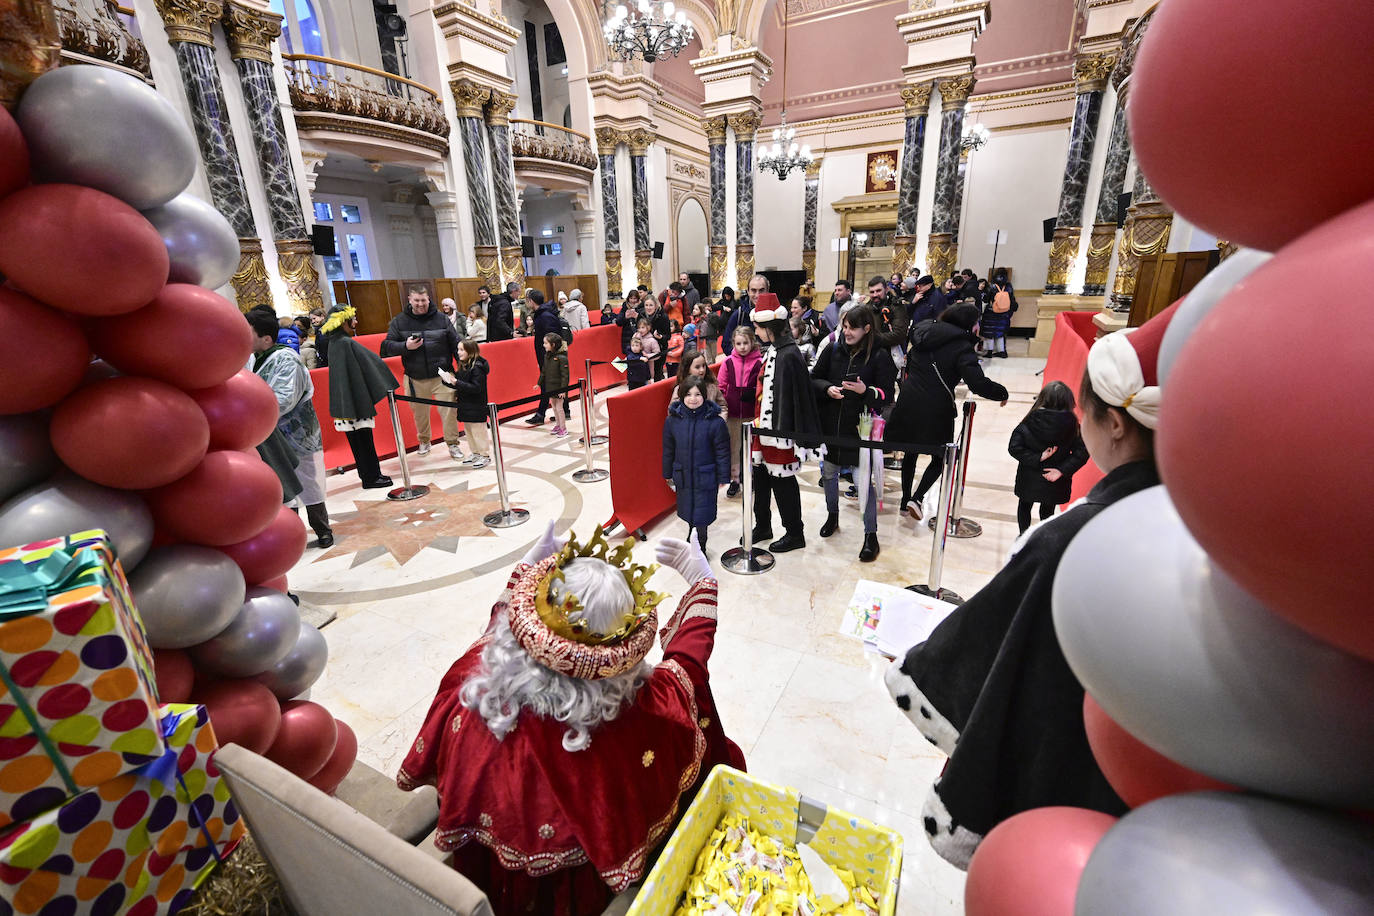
point(543, 829)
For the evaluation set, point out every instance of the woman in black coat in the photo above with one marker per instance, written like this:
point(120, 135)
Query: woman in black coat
point(940, 357)
point(1048, 451)
point(852, 375)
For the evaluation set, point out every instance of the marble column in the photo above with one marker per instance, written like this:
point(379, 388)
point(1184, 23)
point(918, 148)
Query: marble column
point(607, 139)
point(917, 102)
point(942, 252)
point(188, 23)
point(720, 242)
point(810, 215)
point(469, 98)
point(251, 33)
point(639, 141)
point(1090, 72)
point(745, 125)
point(503, 182)
point(1103, 237)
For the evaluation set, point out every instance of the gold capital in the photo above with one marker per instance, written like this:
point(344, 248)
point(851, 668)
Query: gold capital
point(469, 97)
point(745, 125)
point(917, 98)
point(639, 141)
point(250, 32)
point(189, 20)
point(607, 139)
point(30, 45)
point(955, 90)
point(715, 131)
point(499, 108)
point(1090, 71)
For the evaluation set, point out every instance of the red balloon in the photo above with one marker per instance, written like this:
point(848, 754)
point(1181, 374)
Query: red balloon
point(242, 410)
point(130, 433)
point(1137, 772)
point(1221, 162)
point(14, 155)
point(306, 739)
point(277, 584)
point(174, 675)
point(1295, 380)
point(43, 351)
point(272, 551)
point(187, 336)
point(229, 497)
point(242, 712)
point(340, 762)
point(1030, 864)
point(81, 250)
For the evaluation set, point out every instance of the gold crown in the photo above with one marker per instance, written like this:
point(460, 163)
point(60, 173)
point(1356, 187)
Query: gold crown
point(568, 618)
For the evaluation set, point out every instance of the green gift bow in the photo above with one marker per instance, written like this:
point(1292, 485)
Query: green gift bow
point(24, 590)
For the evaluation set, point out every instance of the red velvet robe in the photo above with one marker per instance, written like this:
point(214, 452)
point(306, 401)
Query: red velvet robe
point(548, 831)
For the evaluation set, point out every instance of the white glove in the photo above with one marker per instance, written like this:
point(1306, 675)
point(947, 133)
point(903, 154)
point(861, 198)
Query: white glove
point(545, 547)
point(685, 557)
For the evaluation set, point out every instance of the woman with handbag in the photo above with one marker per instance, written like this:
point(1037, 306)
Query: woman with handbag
point(851, 377)
point(941, 356)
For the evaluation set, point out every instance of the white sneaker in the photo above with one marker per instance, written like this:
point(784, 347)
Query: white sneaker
point(470, 459)
point(423, 449)
point(455, 452)
point(480, 462)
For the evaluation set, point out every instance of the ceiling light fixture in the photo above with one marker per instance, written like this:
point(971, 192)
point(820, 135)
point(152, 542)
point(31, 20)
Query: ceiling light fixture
point(784, 156)
point(654, 29)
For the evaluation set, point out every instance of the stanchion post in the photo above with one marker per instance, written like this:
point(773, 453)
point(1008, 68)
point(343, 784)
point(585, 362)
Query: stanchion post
point(937, 545)
point(589, 406)
point(507, 517)
point(589, 474)
point(960, 527)
point(405, 490)
point(747, 560)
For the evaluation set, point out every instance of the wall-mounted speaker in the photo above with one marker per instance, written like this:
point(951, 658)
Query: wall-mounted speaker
point(1049, 228)
point(658, 251)
point(1123, 203)
point(322, 240)
point(526, 246)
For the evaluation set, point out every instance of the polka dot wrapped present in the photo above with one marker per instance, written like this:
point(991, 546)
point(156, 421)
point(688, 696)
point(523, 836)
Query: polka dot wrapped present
point(139, 844)
point(78, 705)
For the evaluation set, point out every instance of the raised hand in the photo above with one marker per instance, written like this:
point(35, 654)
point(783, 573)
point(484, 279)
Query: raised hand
point(685, 557)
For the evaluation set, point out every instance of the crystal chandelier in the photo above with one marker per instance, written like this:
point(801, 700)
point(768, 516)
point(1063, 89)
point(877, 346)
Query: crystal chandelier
point(975, 137)
point(652, 31)
point(784, 156)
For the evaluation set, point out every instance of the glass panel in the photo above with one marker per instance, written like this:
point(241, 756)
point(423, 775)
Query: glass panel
point(310, 28)
point(324, 213)
point(357, 256)
point(350, 213)
point(556, 249)
point(333, 264)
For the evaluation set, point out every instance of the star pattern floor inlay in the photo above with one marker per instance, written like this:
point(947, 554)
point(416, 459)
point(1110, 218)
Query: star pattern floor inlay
point(438, 519)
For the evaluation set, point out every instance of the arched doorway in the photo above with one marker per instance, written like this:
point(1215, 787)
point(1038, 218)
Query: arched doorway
point(693, 241)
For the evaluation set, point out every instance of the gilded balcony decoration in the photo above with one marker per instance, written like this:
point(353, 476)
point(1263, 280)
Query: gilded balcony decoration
point(539, 140)
point(322, 87)
point(29, 45)
point(92, 29)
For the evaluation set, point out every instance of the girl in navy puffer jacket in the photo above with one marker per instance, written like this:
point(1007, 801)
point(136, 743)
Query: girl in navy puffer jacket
point(696, 455)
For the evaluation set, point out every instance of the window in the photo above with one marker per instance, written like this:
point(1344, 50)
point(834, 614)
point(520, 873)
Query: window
point(551, 250)
point(350, 213)
point(324, 213)
point(302, 32)
point(354, 246)
point(357, 257)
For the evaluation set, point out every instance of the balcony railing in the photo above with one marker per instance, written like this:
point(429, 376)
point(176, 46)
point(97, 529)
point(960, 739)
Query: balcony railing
point(101, 30)
point(541, 140)
point(322, 84)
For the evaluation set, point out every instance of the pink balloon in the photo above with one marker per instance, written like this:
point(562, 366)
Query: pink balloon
point(186, 336)
point(242, 410)
point(1030, 864)
point(229, 497)
point(340, 762)
point(306, 739)
point(272, 551)
point(44, 353)
point(14, 155)
point(242, 712)
point(174, 674)
point(1137, 772)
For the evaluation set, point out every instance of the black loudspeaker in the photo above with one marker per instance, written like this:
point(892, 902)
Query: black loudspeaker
point(322, 240)
point(526, 246)
point(1123, 202)
point(1049, 228)
point(658, 251)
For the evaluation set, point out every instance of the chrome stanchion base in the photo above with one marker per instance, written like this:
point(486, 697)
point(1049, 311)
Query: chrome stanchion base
point(960, 527)
point(507, 519)
point(590, 476)
point(747, 562)
point(596, 440)
point(414, 491)
point(940, 594)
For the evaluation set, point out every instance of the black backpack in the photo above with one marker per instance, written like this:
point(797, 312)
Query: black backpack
point(565, 329)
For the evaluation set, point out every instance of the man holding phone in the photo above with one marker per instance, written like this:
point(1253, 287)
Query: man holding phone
point(426, 341)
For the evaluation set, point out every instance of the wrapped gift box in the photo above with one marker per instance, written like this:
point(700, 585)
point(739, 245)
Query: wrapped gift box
point(140, 843)
point(79, 706)
point(871, 852)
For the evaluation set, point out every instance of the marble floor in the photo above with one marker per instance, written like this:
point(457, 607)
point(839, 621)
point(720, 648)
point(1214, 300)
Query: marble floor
point(413, 583)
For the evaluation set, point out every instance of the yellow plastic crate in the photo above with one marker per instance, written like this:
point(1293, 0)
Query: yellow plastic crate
point(872, 852)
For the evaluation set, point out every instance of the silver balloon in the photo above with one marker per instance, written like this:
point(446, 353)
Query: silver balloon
point(301, 667)
point(1222, 854)
point(203, 247)
point(186, 594)
point(259, 636)
point(1214, 287)
point(1200, 671)
point(108, 130)
point(66, 504)
point(26, 454)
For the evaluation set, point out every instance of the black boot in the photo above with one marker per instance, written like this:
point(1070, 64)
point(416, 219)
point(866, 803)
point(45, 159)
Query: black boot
point(789, 541)
point(319, 521)
point(760, 535)
point(832, 524)
point(870, 548)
